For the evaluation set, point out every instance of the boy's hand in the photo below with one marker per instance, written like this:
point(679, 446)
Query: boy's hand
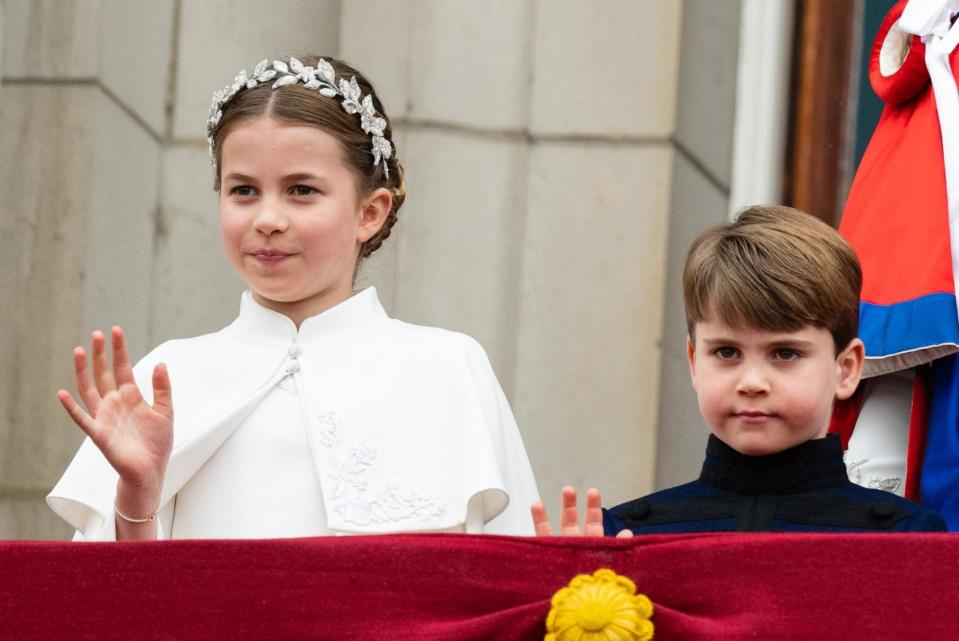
point(569, 518)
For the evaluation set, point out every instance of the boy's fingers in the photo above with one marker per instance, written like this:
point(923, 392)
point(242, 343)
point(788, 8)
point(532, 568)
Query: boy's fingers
point(569, 518)
point(102, 375)
point(86, 390)
point(122, 369)
point(540, 520)
point(593, 525)
point(624, 534)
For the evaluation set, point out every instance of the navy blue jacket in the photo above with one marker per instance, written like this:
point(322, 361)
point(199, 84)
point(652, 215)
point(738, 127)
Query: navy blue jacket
point(802, 489)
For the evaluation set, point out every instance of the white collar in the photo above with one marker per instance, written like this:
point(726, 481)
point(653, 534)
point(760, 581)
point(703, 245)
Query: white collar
point(334, 325)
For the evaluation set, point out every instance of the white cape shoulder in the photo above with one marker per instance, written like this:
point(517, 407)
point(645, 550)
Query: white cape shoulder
point(471, 424)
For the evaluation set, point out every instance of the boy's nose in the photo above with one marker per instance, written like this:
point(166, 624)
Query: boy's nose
point(752, 382)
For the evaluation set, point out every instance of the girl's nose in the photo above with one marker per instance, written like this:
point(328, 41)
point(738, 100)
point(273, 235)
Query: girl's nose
point(270, 219)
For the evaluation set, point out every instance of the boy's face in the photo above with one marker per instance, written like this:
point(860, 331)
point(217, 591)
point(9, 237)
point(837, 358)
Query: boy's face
point(761, 391)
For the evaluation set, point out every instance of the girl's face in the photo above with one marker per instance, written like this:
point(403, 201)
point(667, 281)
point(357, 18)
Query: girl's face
point(291, 220)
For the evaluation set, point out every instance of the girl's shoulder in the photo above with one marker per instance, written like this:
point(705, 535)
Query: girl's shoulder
point(429, 334)
point(187, 348)
point(194, 361)
point(435, 340)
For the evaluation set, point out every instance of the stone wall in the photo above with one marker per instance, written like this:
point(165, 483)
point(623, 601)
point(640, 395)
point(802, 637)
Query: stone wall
point(700, 195)
point(545, 156)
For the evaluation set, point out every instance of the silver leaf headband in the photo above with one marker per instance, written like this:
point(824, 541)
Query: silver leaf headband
point(323, 80)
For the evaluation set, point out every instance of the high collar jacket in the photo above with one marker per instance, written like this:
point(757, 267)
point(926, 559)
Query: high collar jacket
point(407, 424)
point(802, 489)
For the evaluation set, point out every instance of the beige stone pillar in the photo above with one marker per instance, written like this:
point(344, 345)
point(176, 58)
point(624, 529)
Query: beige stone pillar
point(602, 119)
point(700, 194)
point(538, 137)
point(80, 141)
point(461, 107)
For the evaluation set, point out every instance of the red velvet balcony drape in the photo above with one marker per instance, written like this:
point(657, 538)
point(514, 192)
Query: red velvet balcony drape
point(425, 587)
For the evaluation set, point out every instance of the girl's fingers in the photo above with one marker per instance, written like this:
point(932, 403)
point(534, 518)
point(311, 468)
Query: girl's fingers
point(569, 518)
point(540, 519)
point(624, 534)
point(593, 525)
point(86, 390)
point(102, 375)
point(81, 418)
point(122, 369)
point(162, 391)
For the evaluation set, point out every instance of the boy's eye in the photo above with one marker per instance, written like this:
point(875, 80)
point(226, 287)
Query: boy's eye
point(786, 354)
point(726, 353)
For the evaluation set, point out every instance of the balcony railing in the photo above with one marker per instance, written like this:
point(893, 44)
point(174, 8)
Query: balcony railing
point(434, 586)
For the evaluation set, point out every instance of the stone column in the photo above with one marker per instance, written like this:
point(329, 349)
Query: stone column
point(701, 177)
point(82, 102)
point(602, 120)
point(460, 106)
point(538, 137)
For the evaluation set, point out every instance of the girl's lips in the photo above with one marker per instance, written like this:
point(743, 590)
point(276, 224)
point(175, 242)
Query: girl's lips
point(270, 257)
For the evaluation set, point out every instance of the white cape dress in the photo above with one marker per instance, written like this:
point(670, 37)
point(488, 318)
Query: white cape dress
point(408, 427)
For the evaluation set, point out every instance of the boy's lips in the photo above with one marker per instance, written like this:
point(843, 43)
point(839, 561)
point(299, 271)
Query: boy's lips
point(753, 416)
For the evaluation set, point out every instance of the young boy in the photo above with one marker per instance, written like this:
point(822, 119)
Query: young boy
point(772, 310)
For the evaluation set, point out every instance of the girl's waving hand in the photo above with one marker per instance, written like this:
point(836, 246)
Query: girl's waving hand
point(135, 437)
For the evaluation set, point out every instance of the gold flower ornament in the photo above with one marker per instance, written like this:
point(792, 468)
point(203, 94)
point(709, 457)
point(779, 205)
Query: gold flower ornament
point(602, 606)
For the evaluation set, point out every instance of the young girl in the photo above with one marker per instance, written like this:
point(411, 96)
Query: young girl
point(313, 412)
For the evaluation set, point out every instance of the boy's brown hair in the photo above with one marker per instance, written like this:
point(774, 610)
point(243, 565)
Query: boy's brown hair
point(774, 268)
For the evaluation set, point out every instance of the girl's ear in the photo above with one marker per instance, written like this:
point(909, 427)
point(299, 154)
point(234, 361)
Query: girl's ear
point(373, 212)
point(849, 368)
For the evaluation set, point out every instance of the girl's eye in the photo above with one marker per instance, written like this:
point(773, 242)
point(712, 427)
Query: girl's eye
point(242, 191)
point(787, 354)
point(726, 353)
point(302, 191)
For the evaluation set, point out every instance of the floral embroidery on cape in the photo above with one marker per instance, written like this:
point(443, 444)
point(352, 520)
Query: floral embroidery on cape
point(350, 495)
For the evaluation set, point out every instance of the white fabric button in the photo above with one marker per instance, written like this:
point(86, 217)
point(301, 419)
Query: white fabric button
point(295, 350)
